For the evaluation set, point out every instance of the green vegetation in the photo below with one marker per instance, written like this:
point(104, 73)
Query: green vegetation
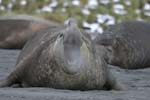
point(33, 7)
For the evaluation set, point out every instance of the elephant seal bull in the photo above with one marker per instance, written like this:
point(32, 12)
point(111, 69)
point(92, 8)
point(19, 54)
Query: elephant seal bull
point(127, 44)
point(66, 59)
point(15, 30)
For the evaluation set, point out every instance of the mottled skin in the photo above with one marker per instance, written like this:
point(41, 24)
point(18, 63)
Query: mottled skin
point(63, 58)
point(15, 30)
point(127, 44)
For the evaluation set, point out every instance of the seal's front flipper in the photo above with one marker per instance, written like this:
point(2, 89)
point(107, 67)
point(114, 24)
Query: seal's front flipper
point(4, 45)
point(9, 81)
point(120, 87)
point(5, 83)
point(113, 84)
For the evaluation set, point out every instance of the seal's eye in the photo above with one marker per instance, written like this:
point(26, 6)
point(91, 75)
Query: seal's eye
point(61, 35)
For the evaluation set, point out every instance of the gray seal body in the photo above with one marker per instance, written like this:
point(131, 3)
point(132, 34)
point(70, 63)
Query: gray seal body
point(62, 58)
point(15, 30)
point(127, 44)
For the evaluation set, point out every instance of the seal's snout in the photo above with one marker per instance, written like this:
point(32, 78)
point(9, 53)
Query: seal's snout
point(72, 57)
point(72, 41)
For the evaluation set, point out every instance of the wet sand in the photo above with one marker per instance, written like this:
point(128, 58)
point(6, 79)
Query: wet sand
point(138, 82)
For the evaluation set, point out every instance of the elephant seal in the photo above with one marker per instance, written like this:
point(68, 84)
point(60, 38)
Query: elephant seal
point(126, 44)
point(62, 58)
point(15, 30)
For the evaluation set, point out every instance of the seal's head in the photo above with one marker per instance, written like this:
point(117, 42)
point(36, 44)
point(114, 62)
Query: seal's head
point(115, 48)
point(67, 47)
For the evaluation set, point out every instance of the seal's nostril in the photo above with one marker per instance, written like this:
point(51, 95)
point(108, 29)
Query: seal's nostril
point(61, 35)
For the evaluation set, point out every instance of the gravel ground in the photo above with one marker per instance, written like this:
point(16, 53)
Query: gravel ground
point(138, 82)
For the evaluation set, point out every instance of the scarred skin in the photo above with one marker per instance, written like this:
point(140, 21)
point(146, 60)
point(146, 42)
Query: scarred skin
point(62, 58)
point(15, 30)
point(127, 44)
